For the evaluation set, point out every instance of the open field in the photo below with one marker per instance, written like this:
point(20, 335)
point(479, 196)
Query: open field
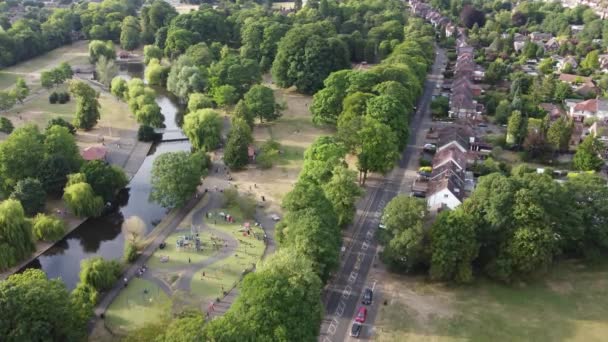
point(570, 304)
point(134, 307)
point(295, 131)
point(7, 80)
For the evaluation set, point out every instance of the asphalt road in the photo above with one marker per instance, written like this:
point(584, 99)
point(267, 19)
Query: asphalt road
point(342, 297)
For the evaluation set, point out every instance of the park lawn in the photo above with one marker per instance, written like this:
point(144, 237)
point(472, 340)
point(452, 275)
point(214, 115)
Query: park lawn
point(113, 113)
point(75, 54)
point(178, 257)
point(228, 272)
point(7, 80)
point(571, 303)
point(133, 308)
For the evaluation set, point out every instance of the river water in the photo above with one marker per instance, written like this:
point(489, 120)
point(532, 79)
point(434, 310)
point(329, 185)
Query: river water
point(103, 236)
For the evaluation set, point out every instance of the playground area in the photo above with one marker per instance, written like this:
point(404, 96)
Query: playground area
point(198, 263)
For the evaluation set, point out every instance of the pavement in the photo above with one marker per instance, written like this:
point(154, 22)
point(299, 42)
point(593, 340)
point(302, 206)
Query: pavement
point(342, 295)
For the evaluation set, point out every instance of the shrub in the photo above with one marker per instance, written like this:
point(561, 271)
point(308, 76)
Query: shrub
point(48, 228)
point(61, 122)
point(269, 153)
point(130, 252)
point(63, 97)
point(31, 194)
point(54, 97)
point(6, 125)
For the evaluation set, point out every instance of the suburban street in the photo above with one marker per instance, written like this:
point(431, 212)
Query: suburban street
point(342, 297)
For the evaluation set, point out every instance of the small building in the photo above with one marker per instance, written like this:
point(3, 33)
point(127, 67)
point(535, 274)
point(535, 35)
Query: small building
point(590, 109)
point(599, 129)
point(96, 152)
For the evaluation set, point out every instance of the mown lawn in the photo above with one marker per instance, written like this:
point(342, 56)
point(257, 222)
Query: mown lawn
point(569, 304)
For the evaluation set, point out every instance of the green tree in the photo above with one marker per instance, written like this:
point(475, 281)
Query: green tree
point(389, 111)
point(48, 228)
point(591, 61)
point(175, 177)
point(322, 157)
point(151, 52)
point(30, 193)
point(242, 112)
point(16, 240)
point(6, 126)
point(342, 191)
point(99, 273)
point(378, 149)
point(185, 78)
point(82, 201)
point(7, 100)
point(156, 73)
point(453, 247)
point(53, 173)
point(587, 155)
point(204, 129)
point(105, 70)
point(98, 48)
point(546, 66)
point(225, 95)
point(260, 101)
point(236, 154)
point(20, 156)
point(21, 90)
point(403, 218)
point(188, 326)
point(87, 105)
point(558, 134)
point(516, 128)
point(129, 33)
point(105, 179)
point(201, 54)
point(58, 140)
point(278, 302)
point(32, 306)
point(198, 101)
point(118, 87)
point(58, 121)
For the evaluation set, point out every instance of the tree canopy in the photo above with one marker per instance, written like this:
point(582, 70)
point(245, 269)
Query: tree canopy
point(16, 240)
point(204, 128)
point(176, 175)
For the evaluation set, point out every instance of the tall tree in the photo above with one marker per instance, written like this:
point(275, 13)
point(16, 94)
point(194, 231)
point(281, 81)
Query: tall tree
point(105, 70)
point(21, 90)
point(129, 33)
point(378, 149)
point(20, 156)
point(516, 128)
point(236, 154)
point(342, 191)
point(82, 201)
point(105, 179)
point(175, 177)
point(99, 273)
point(558, 134)
point(16, 240)
point(260, 101)
point(204, 129)
point(58, 140)
point(30, 193)
point(587, 155)
point(87, 105)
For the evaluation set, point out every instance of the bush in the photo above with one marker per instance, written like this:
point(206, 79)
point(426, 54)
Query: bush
point(54, 97)
point(31, 194)
point(130, 252)
point(146, 133)
point(425, 162)
point(61, 122)
point(6, 126)
point(63, 97)
point(48, 228)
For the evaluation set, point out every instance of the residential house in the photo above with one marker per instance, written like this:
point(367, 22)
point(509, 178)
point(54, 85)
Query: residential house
point(603, 59)
point(596, 109)
point(552, 45)
point(519, 40)
point(599, 129)
point(554, 111)
point(562, 61)
point(446, 188)
point(581, 85)
point(540, 37)
point(576, 28)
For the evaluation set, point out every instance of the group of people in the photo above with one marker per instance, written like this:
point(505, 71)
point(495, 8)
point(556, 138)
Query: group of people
point(141, 270)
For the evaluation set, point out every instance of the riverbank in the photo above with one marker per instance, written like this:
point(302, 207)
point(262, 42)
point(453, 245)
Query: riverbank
point(130, 160)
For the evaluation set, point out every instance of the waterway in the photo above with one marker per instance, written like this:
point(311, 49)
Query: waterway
point(103, 236)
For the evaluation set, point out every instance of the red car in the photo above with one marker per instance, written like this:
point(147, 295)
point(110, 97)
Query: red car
point(361, 315)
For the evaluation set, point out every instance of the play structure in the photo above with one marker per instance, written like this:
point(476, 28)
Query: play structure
point(190, 241)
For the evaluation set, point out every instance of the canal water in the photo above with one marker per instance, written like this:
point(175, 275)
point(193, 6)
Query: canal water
point(103, 236)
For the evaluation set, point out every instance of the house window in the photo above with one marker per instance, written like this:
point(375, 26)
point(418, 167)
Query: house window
point(445, 196)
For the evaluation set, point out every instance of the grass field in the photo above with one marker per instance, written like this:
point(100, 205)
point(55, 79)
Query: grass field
point(38, 110)
point(133, 308)
point(7, 80)
point(571, 304)
point(294, 131)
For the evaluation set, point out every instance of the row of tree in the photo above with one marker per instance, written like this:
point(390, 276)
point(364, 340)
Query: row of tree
point(141, 100)
point(511, 227)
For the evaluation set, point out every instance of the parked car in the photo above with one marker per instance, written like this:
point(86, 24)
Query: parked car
point(381, 226)
point(355, 330)
point(361, 315)
point(275, 217)
point(430, 148)
point(418, 194)
point(368, 296)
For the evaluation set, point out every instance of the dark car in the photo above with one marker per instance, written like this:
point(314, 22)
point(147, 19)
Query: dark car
point(355, 330)
point(368, 295)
